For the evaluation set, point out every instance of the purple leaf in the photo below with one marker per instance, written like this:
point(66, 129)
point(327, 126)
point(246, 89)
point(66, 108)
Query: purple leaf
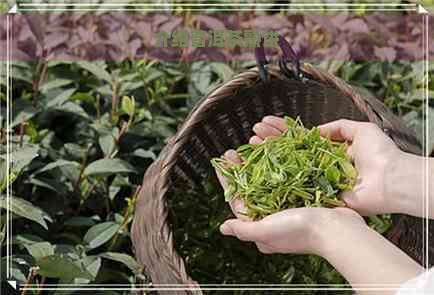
point(355, 25)
point(36, 26)
point(210, 22)
point(385, 53)
point(169, 26)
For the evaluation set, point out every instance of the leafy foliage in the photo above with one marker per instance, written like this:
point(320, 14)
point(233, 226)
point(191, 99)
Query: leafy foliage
point(83, 135)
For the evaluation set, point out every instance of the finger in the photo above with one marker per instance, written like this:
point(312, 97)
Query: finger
point(354, 201)
point(264, 248)
point(276, 122)
point(236, 204)
point(221, 179)
point(264, 130)
point(243, 230)
point(239, 209)
point(340, 130)
point(349, 198)
point(350, 152)
point(233, 157)
point(255, 140)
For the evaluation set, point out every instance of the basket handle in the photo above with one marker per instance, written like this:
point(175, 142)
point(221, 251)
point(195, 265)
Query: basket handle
point(288, 54)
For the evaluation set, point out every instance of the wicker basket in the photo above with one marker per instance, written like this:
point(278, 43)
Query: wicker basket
point(224, 120)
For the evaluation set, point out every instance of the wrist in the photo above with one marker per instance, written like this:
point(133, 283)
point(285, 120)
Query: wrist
point(352, 248)
point(403, 184)
point(336, 231)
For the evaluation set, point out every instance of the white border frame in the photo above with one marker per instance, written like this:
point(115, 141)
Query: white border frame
point(158, 7)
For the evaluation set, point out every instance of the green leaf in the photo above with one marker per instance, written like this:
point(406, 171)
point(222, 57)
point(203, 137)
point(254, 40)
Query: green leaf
point(348, 169)
point(106, 167)
point(107, 143)
point(128, 105)
point(83, 96)
point(82, 221)
point(26, 239)
point(125, 259)
point(332, 174)
point(55, 164)
point(53, 84)
point(152, 75)
point(99, 234)
point(60, 98)
point(92, 264)
point(73, 108)
point(147, 154)
point(97, 70)
point(20, 74)
point(57, 266)
point(222, 70)
point(26, 209)
point(22, 157)
point(51, 183)
point(23, 111)
point(40, 250)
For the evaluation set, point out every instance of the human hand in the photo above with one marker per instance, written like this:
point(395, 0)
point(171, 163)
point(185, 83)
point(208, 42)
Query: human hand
point(339, 235)
point(298, 230)
point(381, 166)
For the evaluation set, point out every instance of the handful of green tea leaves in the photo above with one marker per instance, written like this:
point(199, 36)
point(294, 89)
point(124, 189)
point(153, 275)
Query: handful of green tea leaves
point(298, 169)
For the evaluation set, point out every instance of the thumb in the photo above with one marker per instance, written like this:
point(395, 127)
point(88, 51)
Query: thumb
point(340, 130)
point(352, 200)
point(243, 230)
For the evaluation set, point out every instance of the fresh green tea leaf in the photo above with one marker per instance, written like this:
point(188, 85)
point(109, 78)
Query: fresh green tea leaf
point(40, 250)
point(26, 209)
point(97, 70)
point(125, 259)
point(128, 105)
point(106, 167)
point(57, 266)
point(99, 234)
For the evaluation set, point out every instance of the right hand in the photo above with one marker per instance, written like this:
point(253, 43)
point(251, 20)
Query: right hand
point(380, 187)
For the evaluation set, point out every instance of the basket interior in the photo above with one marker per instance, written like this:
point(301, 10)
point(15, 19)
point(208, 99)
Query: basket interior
point(228, 123)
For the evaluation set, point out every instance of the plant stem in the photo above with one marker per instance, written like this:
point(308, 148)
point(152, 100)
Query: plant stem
point(30, 276)
point(41, 284)
point(82, 167)
point(126, 216)
point(91, 189)
point(114, 101)
point(98, 108)
point(22, 125)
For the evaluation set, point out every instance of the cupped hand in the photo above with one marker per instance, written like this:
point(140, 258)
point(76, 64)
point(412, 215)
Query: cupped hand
point(298, 230)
